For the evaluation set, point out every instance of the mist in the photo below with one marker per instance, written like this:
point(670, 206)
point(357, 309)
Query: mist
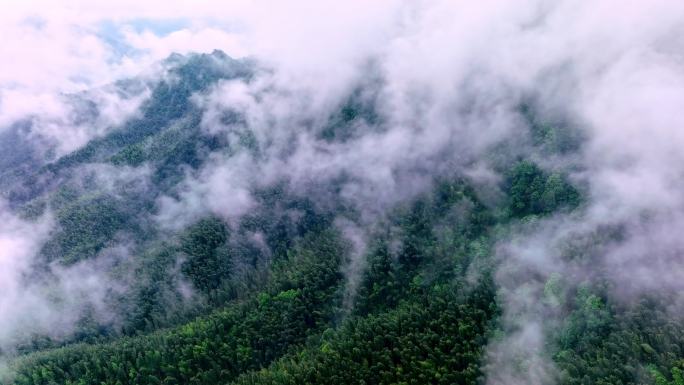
point(446, 81)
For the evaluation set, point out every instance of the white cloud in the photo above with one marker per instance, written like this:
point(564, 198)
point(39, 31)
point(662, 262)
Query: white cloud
point(29, 306)
point(452, 74)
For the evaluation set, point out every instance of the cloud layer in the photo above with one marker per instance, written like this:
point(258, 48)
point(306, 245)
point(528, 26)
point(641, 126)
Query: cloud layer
point(450, 77)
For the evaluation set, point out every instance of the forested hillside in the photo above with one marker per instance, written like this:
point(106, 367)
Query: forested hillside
point(395, 212)
point(271, 300)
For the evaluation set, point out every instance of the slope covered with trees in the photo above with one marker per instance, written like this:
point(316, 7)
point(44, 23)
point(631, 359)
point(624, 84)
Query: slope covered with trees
point(283, 294)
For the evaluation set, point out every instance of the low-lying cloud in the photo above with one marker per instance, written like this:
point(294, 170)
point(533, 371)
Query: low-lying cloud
point(448, 79)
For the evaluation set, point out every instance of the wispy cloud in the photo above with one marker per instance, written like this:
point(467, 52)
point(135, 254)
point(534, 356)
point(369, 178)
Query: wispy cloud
point(450, 79)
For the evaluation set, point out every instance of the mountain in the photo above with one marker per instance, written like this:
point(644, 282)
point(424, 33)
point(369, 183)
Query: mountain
point(231, 231)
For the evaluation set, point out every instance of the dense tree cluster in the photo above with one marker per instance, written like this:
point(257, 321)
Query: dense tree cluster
point(435, 338)
point(216, 348)
point(274, 297)
point(532, 191)
point(604, 343)
point(433, 330)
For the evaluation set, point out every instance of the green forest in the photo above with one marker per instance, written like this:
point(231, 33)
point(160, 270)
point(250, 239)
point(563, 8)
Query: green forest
point(273, 299)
